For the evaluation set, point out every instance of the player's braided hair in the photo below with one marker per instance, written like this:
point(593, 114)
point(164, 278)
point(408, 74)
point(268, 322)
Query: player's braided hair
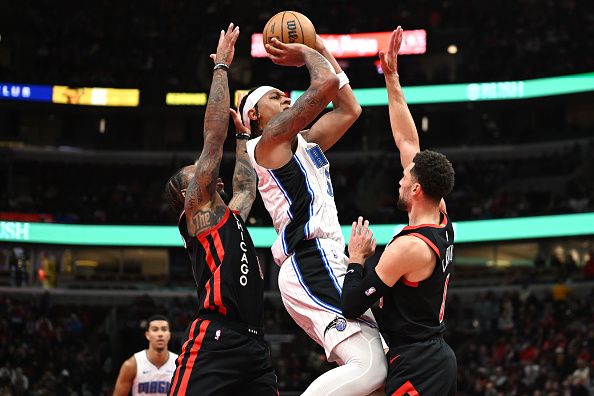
point(173, 189)
point(434, 172)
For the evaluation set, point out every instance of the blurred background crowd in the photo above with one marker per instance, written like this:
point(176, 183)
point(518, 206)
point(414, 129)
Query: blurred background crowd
point(520, 314)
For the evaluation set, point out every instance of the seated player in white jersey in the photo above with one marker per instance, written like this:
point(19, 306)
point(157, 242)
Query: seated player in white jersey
point(295, 185)
point(149, 371)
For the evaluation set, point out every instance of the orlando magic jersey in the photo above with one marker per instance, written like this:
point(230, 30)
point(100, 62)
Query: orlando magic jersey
point(228, 277)
point(149, 379)
point(414, 311)
point(299, 198)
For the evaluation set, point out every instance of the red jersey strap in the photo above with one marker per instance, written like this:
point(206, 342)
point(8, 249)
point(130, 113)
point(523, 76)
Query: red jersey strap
point(444, 222)
point(427, 241)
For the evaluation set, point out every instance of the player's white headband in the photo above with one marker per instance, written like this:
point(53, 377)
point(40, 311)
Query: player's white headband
point(252, 100)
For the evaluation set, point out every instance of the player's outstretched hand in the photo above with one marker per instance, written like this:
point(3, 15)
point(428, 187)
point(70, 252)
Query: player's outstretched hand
point(362, 243)
point(226, 45)
point(389, 60)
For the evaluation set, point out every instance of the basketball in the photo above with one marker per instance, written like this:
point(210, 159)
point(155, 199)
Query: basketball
point(290, 27)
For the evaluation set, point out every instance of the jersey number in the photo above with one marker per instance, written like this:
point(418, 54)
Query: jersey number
point(330, 191)
point(406, 389)
point(445, 292)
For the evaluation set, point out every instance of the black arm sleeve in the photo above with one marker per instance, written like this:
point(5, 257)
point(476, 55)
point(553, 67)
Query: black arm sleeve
point(360, 293)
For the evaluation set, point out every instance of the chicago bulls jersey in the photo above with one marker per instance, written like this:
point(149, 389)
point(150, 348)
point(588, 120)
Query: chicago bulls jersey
point(414, 311)
point(228, 277)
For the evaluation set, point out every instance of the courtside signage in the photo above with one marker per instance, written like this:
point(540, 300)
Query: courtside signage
point(168, 236)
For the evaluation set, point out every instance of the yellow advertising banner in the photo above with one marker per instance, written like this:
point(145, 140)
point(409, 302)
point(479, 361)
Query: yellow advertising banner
point(96, 96)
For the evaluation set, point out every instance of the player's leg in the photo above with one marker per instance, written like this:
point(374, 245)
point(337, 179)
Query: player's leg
point(264, 385)
point(310, 290)
point(259, 376)
point(362, 369)
point(196, 372)
point(423, 368)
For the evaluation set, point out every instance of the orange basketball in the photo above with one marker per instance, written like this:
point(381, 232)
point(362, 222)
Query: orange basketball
point(290, 27)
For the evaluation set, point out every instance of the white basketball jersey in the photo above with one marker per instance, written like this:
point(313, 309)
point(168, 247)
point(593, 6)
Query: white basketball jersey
point(299, 198)
point(151, 380)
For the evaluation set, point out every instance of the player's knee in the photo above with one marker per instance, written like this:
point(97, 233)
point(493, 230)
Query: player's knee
point(375, 369)
point(378, 372)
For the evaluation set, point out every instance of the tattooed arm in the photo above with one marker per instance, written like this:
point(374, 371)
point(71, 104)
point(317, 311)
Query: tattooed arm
point(203, 205)
point(244, 176)
point(274, 148)
point(345, 110)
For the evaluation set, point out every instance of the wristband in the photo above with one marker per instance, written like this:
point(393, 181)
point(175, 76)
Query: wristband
point(242, 136)
point(342, 79)
point(223, 66)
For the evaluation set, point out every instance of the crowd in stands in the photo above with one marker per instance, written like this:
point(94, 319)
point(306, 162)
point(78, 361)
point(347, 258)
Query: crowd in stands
point(552, 183)
point(517, 343)
point(47, 349)
point(166, 43)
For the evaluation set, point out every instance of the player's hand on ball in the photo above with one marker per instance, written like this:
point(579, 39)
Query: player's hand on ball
point(226, 45)
point(362, 243)
point(286, 54)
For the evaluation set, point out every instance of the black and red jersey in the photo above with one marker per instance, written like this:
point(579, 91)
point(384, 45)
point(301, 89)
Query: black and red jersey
point(414, 311)
point(228, 277)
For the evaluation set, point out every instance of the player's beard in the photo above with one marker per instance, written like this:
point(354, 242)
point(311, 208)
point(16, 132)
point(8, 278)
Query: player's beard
point(402, 203)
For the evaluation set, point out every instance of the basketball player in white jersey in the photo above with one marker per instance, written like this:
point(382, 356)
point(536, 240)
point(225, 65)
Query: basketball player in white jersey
point(294, 182)
point(149, 371)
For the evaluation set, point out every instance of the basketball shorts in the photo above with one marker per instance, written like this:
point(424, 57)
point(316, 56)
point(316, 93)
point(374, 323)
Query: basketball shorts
point(426, 368)
point(310, 283)
point(223, 359)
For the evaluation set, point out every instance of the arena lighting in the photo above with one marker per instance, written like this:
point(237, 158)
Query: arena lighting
point(168, 236)
point(359, 45)
point(475, 92)
point(186, 98)
point(96, 96)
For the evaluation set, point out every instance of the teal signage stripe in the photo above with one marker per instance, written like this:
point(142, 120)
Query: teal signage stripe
point(502, 90)
point(168, 236)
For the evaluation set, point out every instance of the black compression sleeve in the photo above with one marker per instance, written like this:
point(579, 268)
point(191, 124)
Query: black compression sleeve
point(360, 293)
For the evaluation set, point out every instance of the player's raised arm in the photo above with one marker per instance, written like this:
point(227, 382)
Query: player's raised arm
point(401, 121)
point(244, 176)
point(332, 126)
point(203, 205)
point(274, 148)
